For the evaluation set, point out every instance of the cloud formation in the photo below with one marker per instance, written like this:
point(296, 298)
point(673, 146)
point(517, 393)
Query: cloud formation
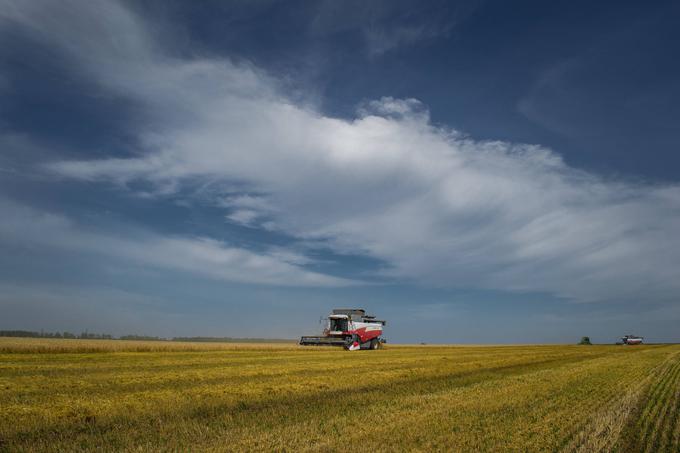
point(387, 25)
point(437, 207)
point(24, 226)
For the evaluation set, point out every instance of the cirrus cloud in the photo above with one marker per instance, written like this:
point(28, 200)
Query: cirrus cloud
point(24, 226)
point(437, 207)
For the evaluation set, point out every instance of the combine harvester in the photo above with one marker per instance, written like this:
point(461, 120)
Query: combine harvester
point(350, 328)
point(631, 339)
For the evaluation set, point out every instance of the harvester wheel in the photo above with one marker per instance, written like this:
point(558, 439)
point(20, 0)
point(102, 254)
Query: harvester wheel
point(351, 340)
point(375, 344)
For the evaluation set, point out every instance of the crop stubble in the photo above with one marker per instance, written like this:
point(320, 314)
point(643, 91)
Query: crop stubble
point(282, 397)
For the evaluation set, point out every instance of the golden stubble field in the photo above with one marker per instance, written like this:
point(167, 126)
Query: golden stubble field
point(71, 395)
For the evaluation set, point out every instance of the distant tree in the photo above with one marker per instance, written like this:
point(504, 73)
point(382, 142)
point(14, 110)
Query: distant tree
point(16, 333)
point(43, 334)
point(141, 338)
point(585, 340)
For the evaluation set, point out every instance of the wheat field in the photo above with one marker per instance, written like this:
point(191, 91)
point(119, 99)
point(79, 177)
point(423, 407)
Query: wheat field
point(73, 395)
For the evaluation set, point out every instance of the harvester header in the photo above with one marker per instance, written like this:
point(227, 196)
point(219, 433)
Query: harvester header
point(350, 328)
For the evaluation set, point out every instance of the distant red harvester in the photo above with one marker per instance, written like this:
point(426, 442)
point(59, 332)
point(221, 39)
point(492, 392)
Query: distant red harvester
point(631, 339)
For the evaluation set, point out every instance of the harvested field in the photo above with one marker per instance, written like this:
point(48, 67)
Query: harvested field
point(68, 396)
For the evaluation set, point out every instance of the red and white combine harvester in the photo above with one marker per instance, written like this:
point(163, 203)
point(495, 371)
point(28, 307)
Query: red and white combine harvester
point(350, 328)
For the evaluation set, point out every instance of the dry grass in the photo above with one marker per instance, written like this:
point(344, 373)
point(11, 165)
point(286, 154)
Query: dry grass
point(283, 398)
point(604, 432)
point(55, 346)
point(655, 425)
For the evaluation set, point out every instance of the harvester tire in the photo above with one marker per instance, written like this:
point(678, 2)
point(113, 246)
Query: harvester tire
point(375, 344)
point(350, 341)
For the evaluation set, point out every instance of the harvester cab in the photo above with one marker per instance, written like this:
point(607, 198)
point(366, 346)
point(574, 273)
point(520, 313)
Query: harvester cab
point(337, 324)
point(350, 328)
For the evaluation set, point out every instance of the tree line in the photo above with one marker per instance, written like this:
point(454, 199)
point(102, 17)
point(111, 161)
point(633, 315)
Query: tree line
point(104, 336)
point(41, 334)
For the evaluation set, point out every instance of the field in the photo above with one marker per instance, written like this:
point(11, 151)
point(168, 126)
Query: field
point(70, 395)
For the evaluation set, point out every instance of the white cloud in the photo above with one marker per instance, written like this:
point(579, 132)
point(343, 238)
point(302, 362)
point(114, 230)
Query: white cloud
point(388, 25)
point(439, 208)
point(243, 216)
point(246, 209)
point(23, 226)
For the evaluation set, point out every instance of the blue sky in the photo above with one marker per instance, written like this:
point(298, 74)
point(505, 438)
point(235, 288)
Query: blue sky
point(473, 172)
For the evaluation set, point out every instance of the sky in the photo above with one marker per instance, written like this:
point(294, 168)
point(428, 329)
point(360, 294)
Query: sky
point(472, 172)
